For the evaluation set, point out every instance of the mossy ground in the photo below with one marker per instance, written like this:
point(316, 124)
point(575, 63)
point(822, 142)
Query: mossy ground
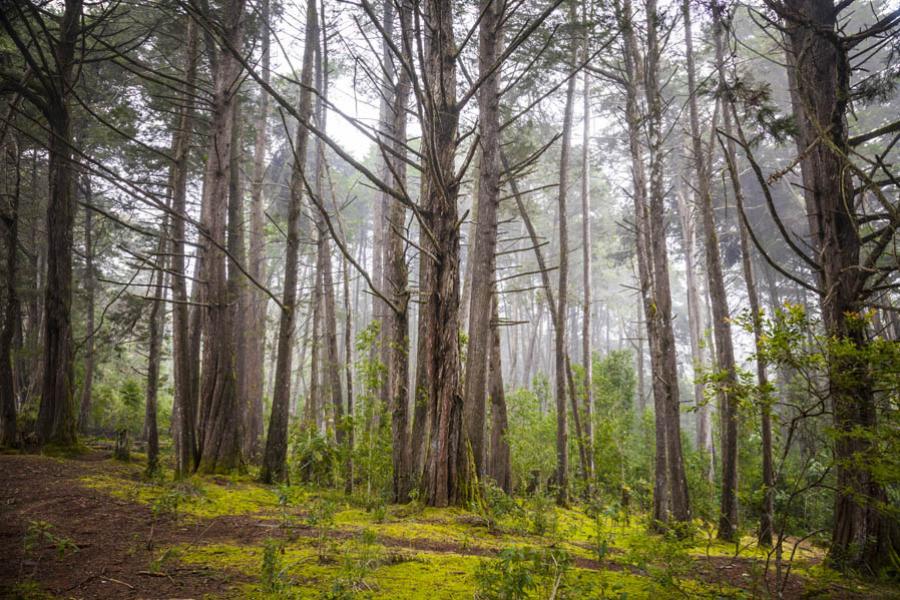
point(323, 544)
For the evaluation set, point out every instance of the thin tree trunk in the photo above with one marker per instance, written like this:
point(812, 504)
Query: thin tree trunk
point(562, 423)
point(499, 467)
point(396, 280)
point(185, 409)
point(88, 383)
point(256, 331)
point(586, 247)
point(156, 322)
point(662, 311)
point(274, 467)
point(728, 511)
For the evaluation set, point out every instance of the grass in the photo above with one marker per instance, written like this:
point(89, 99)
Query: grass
point(424, 553)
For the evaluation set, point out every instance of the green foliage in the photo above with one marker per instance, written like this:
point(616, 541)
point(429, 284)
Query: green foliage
point(272, 570)
point(531, 440)
point(314, 457)
point(39, 537)
point(518, 572)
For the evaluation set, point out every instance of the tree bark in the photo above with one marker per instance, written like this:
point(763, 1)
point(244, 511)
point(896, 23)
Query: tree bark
point(863, 537)
point(482, 257)
point(256, 330)
point(499, 468)
point(185, 408)
point(88, 383)
point(448, 477)
point(56, 419)
point(274, 467)
point(396, 281)
point(219, 431)
point(586, 247)
point(12, 309)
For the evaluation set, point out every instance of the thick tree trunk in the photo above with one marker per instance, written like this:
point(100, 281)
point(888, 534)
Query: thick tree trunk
point(185, 407)
point(219, 431)
point(482, 256)
point(56, 419)
point(12, 309)
point(274, 467)
point(449, 476)
point(863, 536)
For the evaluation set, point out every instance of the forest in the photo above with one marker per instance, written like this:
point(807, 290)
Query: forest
point(439, 299)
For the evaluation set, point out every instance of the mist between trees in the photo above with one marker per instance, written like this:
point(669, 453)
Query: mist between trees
point(632, 254)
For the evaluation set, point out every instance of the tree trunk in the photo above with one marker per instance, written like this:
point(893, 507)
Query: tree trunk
point(499, 468)
point(562, 423)
point(448, 475)
point(721, 324)
point(586, 247)
point(219, 432)
point(88, 383)
point(56, 419)
point(185, 408)
point(482, 256)
point(256, 330)
point(156, 322)
point(274, 467)
point(396, 282)
point(864, 536)
point(12, 311)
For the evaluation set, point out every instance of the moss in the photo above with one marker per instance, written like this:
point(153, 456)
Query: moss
point(197, 497)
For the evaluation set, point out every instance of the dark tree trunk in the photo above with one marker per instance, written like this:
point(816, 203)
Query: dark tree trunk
point(482, 256)
point(864, 536)
point(56, 419)
point(11, 310)
point(274, 467)
point(220, 414)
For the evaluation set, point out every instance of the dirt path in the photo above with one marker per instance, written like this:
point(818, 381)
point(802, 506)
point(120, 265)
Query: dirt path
point(113, 558)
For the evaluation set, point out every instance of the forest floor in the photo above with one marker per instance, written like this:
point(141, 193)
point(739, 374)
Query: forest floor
point(91, 527)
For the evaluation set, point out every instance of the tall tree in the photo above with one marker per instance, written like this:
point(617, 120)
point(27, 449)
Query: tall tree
point(274, 467)
point(562, 422)
point(482, 256)
point(11, 308)
point(256, 330)
point(586, 254)
point(185, 402)
point(726, 388)
point(219, 431)
point(447, 478)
